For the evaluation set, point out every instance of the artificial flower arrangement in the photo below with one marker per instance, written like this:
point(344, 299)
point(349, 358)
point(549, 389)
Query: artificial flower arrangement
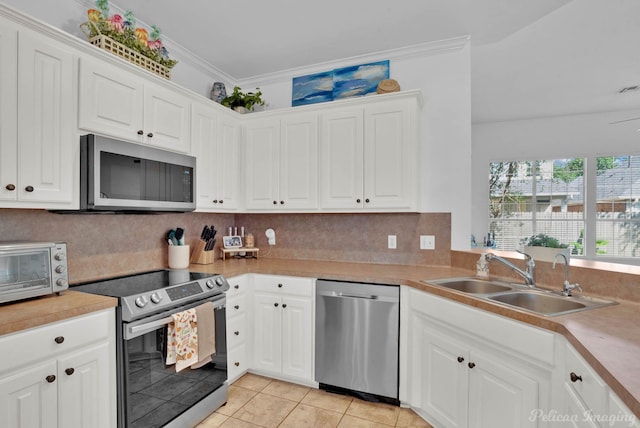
point(123, 30)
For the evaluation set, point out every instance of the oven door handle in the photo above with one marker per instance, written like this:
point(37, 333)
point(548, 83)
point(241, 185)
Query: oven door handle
point(131, 331)
point(150, 325)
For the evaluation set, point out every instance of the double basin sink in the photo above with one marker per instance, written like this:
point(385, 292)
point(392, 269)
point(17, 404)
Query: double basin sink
point(535, 300)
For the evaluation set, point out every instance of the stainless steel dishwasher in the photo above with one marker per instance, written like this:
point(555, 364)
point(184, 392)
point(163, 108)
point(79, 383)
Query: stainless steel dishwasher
point(357, 329)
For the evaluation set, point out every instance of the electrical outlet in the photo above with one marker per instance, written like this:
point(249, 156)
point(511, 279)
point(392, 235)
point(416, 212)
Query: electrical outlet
point(427, 242)
point(391, 242)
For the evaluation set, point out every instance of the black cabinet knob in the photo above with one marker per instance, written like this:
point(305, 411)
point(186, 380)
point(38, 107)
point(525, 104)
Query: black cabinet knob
point(236, 307)
point(281, 202)
point(29, 189)
point(215, 201)
point(59, 339)
point(460, 359)
point(51, 378)
point(10, 187)
point(358, 201)
point(237, 333)
point(284, 305)
point(471, 365)
point(275, 202)
point(150, 135)
point(236, 286)
point(279, 285)
point(237, 364)
point(275, 304)
point(140, 132)
point(367, 200)
point(69, 371)
point(221, 201)
point(574, 377)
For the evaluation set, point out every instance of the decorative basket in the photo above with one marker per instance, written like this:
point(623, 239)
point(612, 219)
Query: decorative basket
point(107, 43)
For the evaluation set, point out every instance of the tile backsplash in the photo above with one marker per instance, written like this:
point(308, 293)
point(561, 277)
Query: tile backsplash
point(105, 245)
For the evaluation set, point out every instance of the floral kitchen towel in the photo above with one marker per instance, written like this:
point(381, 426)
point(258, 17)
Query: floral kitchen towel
point(182, 339)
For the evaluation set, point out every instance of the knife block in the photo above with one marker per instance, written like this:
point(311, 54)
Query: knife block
point(200, 256)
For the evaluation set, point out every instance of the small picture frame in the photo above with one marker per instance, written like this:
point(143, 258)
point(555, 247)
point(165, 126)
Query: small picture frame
point(232, 241)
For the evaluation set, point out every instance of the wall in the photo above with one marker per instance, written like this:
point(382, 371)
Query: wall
point(558, 137)
point(106, 245)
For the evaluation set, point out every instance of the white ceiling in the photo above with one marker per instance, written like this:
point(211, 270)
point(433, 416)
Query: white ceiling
point(529, 58)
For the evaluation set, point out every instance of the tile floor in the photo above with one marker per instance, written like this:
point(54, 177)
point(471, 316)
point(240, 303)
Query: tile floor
point(256, 401)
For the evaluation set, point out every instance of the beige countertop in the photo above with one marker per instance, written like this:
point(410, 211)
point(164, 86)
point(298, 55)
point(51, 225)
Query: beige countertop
point(608, 338)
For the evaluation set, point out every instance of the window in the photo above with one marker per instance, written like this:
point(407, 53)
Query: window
point(593, 207)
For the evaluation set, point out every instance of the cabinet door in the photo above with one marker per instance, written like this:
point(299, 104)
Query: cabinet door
point(390, 157)
point(29, 397)
point(228, 164)
point(267, 323)
point(204, 134)
point(439, 365)
point(262, 164)
point(47, 144)
point(500, 397)
point(297, 337)
point(111, 100)
point(84, 394)
point(341, 159)
point(8, 111)
point(166, 119)
point(299, 162)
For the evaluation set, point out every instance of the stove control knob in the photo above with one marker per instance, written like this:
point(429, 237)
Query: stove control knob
point(61, 269)
point(210, 283)
point(59, 256)
point(220, 281)
point(61, 282)
point(141, 301)
point(156, 298)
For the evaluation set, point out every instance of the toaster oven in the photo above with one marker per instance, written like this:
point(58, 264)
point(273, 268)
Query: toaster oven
point(31, 269)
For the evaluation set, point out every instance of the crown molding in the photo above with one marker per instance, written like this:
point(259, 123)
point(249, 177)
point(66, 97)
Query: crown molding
point(420, 50)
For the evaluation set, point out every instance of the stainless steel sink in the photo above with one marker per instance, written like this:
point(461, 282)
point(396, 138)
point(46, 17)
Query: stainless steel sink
point(548, 303)
point(536, 300)
point(471, 285)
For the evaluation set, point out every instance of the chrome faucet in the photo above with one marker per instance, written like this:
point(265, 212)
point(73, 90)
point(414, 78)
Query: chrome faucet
point(567, 287)
point(527, 274)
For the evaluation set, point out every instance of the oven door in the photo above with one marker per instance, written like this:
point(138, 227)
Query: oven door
point(152, 393)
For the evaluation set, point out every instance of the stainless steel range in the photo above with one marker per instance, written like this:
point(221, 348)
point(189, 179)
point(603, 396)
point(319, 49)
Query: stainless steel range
point(151, 393)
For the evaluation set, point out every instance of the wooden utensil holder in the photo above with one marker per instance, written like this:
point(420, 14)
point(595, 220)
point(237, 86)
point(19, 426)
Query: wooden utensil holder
point(200, 256)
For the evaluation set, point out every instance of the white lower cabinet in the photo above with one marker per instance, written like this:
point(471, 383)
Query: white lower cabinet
point(283, 324)
point(60, 375)
point(238, 331)
point(454, 377)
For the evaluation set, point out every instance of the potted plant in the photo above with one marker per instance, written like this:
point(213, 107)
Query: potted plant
point(243, 102)
point(544, 247)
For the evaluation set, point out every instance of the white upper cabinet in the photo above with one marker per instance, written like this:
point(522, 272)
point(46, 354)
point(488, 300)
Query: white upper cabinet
point(117, 103)
point(369, 156)
point(281, 162)
point(216, 144)
point(38, 145)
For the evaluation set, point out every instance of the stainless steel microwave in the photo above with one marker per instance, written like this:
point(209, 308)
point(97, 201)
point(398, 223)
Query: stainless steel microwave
point(121, 176)
point(31, 269)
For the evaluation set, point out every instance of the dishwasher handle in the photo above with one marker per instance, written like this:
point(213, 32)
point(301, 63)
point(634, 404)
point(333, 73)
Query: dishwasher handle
point(357, 296)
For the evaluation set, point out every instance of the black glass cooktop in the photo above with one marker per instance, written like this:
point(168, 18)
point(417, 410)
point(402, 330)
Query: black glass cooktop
point(130, 285)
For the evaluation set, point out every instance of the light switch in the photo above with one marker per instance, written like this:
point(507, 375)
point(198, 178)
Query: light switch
point(391, 242)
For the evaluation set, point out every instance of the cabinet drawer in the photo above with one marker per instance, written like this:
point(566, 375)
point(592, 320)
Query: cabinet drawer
point(236, 331)
point(236, 305)
point(589, 387)
point(284, 284)
point(238, 285)
point(237, 362)
point(42, 342)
